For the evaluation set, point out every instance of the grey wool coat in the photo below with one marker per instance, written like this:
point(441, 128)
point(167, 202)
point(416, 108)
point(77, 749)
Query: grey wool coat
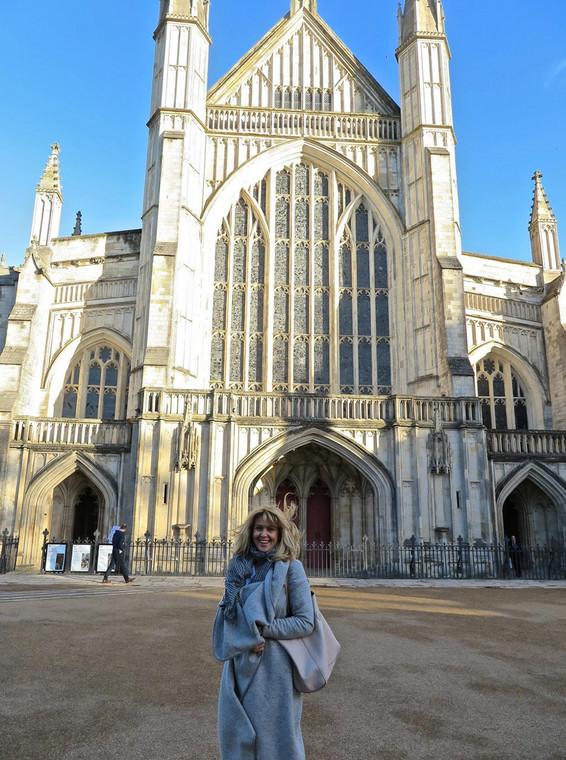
point(259, 711)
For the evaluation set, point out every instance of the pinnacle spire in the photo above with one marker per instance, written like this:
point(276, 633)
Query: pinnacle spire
point(544, 230)
point(420, 16)
point(48, 202)
point(296, 5)
point(542, 210)
point(50, 181)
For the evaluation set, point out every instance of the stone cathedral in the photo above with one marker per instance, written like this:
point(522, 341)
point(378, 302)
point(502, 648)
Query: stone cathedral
point(295, 319)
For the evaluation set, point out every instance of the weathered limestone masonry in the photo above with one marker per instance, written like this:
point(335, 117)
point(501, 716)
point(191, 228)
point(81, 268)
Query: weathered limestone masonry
point(295, 320)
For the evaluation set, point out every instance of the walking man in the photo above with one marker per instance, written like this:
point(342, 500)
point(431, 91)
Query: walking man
point(117, 561)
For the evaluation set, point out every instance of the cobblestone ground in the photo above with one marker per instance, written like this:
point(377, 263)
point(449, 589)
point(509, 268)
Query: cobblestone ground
point(429, 671)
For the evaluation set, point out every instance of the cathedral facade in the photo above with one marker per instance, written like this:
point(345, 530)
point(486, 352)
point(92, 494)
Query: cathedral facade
point(296, 319)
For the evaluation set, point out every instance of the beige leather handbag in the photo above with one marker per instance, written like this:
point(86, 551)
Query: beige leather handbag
point(313, 656)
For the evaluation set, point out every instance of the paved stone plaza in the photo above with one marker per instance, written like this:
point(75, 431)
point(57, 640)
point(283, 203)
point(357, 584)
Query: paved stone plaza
point(437, 671)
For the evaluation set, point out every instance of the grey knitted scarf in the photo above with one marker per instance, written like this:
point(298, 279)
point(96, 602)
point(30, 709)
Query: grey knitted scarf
point(239, 570)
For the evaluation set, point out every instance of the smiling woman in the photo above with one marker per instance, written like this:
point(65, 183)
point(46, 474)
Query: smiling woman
point(267, 598)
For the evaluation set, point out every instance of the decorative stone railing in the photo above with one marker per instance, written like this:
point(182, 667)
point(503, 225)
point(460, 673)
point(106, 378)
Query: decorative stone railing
point(72, 433)
point(526, 443)
point(101, 290)
point(288, 123)
point(305, 407)
point(503, 307)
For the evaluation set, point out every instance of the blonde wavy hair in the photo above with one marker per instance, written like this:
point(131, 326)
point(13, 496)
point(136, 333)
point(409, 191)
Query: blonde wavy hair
point(289, 546)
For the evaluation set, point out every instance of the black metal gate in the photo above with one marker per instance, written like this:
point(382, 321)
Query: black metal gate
point(8, 552)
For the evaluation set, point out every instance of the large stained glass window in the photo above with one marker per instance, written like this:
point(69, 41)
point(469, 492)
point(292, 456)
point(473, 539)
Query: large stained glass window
point(96, 385)
point(301, 298)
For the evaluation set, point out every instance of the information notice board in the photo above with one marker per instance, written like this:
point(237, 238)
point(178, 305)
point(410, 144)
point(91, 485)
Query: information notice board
point(55, 558)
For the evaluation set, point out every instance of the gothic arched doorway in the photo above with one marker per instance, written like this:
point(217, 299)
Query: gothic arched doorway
point(532, 516)
point(314, 477)
point(78, 509)
point(86, 515)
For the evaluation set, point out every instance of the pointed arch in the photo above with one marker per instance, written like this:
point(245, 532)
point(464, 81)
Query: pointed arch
point(264, 456)
point(543, 477)
point(54, 379)
point(54, 473)
point(40, 490)
point(320, 320)
point(326, 159)
point(529, 376)
point(552, 485)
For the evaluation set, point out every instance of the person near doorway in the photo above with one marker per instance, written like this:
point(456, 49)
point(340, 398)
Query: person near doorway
point(515, 556)
point(259, 710)
point(112, 531)
point(118, 561)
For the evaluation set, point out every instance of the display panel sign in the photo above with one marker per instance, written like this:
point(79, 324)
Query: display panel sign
point(80, 558)
point(104, 557)
point(55, 557)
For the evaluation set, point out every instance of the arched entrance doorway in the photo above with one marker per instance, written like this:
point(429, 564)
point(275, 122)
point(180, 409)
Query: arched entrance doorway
point(50, 499)
point(86, 515)
point(77, 510)
point(532, 516)
point(336, 502)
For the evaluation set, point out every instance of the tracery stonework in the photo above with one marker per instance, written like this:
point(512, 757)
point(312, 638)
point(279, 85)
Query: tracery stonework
point(313, 277)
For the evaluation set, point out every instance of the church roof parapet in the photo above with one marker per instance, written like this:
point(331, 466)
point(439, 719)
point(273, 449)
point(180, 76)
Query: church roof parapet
point(319, 125)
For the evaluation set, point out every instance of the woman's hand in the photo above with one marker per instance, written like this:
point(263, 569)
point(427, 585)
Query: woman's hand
point(259, 648)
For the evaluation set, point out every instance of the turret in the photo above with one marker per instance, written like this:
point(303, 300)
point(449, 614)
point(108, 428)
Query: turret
point(420, 16)
point(48, 202)
point(544, 230)
point(185, 9)
point(170, 255)
point(436, 334)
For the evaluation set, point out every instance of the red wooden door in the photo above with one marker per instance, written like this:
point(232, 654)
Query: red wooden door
point(318, 515)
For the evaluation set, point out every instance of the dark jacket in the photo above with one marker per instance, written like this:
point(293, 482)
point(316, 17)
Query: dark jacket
point(118, 542)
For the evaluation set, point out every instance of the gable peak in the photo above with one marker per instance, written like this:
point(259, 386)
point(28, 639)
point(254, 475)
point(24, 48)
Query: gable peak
point(309, 5)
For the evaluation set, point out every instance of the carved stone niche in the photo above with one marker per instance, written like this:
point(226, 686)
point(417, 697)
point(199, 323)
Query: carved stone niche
point(440, 453)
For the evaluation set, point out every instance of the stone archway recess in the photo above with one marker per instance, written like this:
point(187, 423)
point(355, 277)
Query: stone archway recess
point(263, 457)
point(546, 482)
point(39, 493)
point(336, 503)
point(77, 509)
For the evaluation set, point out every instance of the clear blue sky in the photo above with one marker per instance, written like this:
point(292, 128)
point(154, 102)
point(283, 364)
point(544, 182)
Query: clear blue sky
point(80, 73)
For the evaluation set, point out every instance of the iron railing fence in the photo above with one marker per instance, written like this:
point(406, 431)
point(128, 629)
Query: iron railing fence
point(8, 552)
point(420, 560)
point(413, 559)
point(144, 556)
point(174, 557)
